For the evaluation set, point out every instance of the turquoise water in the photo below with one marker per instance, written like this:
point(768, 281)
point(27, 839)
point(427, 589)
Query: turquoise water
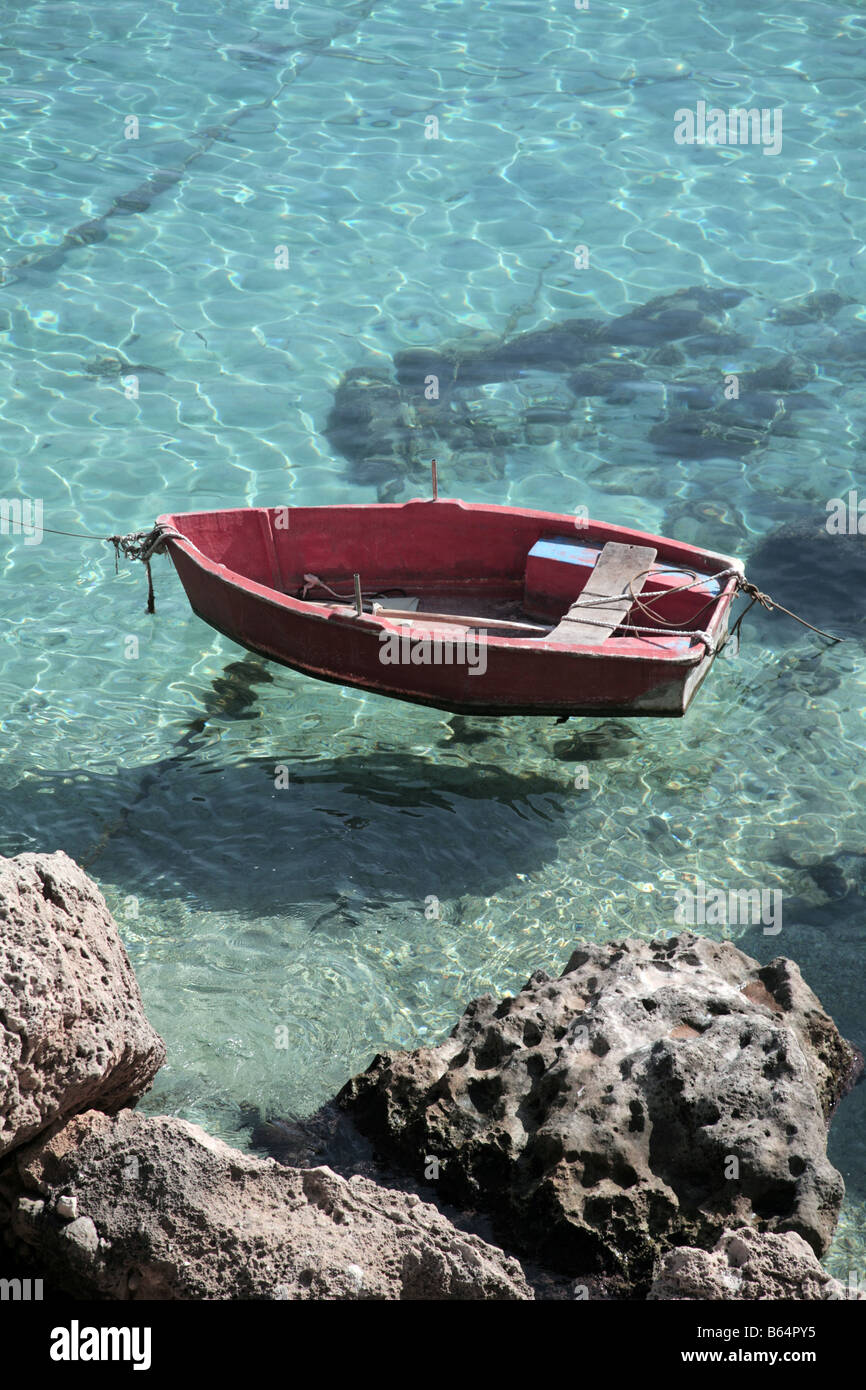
point(282, 935)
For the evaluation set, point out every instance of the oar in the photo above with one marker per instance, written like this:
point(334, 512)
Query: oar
point(456, 619)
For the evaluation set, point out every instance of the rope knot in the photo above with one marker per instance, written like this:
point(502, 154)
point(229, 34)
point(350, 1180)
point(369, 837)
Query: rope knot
point(754, 593)
point(141, 545)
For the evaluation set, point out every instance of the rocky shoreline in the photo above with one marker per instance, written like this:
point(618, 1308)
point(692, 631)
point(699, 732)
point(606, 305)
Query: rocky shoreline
point(650, 1125)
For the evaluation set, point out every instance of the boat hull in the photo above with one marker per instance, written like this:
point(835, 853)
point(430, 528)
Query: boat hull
point(500, 676)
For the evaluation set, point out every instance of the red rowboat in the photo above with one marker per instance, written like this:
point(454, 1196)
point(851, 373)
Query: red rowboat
point(469, 608)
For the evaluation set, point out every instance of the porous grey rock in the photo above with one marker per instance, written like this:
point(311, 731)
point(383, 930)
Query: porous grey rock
point(655, 1094)
point(168, 1212)
point(73, 1032)
point(748, 1264)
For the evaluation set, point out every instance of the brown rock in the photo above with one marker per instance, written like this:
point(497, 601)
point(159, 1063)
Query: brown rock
point(73, 1033)
point(747, 1264)
point(167, 1212)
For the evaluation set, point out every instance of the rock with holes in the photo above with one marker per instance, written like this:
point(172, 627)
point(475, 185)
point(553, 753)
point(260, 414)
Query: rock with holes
point(749, 1264)
point(653, 1095)
point(167, 1212)
point(73, 1033)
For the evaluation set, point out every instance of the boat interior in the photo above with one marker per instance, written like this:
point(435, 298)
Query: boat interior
point(442, 564)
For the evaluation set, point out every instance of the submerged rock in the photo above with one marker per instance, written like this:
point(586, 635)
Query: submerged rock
point(717, 344)
point(680, 314)
point(705, 299)
point(841, 875)
point(787, 374)
point(560, 347)
point(653, 1095)
point(703, 434)
point(390, 427)
point(605, 378)
point(556, 348)
point(818, 575)
point(388, 432)
point(168, 1212)
point(847, 347)
point(367, 406)
point(73, 1032)
point(748, 1264)
point(648, 330)
point(824, 304)
point(111, 367)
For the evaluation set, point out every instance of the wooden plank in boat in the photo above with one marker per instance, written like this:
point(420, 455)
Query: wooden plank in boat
point(459, 619)
point(620, 571)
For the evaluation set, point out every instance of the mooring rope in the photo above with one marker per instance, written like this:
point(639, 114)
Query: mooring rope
point(135, 545)
point(757, 596)
point(143, 545)
point(744, 586)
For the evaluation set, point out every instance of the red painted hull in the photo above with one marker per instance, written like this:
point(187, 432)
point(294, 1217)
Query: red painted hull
point(241, 569)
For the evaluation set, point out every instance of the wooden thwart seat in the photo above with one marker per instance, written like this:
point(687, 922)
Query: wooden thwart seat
point(619, 573)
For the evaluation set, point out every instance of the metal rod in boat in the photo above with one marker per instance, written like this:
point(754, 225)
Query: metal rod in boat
point(435, 481)
point(359, 602)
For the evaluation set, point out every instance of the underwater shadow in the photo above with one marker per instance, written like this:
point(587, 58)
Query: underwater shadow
point(259, 835)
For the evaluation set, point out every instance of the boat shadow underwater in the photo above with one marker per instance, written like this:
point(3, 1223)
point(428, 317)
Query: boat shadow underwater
point(261, 836)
